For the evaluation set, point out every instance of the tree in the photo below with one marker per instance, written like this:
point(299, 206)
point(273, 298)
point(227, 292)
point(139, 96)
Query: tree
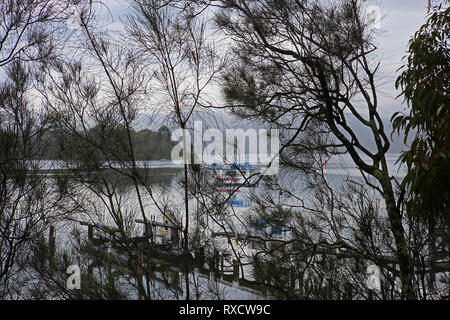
point(95, 114)
point(424, 84)
point(29, 34)
point(184, 63)
point(29, 29)
point(306, 68)
point(303, 66)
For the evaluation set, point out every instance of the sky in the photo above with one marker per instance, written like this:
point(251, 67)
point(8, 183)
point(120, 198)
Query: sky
point(400, 19)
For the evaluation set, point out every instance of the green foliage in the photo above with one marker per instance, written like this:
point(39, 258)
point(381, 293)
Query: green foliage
point(151, 145)
point(109, 141)
point(425, 86)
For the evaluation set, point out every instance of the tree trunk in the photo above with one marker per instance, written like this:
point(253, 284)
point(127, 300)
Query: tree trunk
point(395, 220)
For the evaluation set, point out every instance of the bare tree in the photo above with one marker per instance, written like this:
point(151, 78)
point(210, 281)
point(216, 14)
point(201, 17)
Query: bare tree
point(95, 94)
point(28, 29)
point(28, 36)
point(302, 65)
point(184, 62)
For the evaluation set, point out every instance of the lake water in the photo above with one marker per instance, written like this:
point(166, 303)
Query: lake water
point(165, 178)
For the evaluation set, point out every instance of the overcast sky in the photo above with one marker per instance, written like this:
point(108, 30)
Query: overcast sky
point(400, 20)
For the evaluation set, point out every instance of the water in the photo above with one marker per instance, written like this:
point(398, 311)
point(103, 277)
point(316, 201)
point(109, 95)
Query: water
point(344, 165)
point(168, 194)
point(165, 177)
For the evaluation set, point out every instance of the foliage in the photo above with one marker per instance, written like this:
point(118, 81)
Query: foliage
point(425, 85)
point(147, 144)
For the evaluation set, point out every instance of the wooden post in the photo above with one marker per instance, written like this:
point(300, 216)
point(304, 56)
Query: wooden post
point(358, 265)
point(307, 287)
point(139, 277)
point(348, 291)
point(91, 271)
point(90, 233)
point(202, 260)
point(301, 285)
point(221, 265)
point(210, 265)
point(175, 238)
point(338, 293)
point(52, 249)
point(330, 289)
point(111, 280)
point(216, 263)
point(257, 269)
point(235, 270)
point(292, 279)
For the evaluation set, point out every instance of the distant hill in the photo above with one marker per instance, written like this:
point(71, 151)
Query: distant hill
point(147, 144)
point(224, 120)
